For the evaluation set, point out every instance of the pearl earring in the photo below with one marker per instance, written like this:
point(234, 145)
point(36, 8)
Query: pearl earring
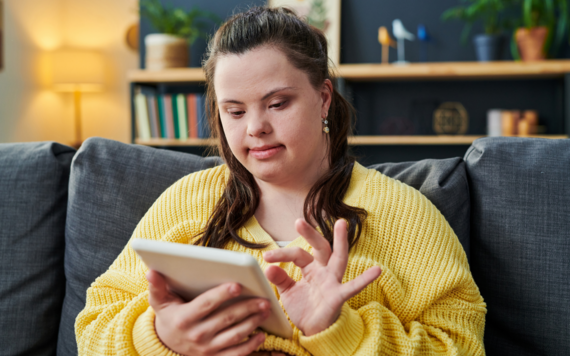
point(325, 122)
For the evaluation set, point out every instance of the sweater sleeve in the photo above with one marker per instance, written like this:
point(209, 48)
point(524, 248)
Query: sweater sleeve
point(117, 318)
point(450, 327)
point(425, 302)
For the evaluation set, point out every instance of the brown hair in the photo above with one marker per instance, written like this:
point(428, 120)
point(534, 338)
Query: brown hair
point(306, 49)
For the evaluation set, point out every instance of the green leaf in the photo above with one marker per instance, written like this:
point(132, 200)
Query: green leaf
point(177, 21)
point(515, 48)
point(527, 13)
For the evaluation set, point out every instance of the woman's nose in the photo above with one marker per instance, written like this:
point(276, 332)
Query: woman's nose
point(258, 125)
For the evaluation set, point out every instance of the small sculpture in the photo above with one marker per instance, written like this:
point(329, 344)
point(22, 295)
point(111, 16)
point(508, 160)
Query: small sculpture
point(424, 38)
point(386, 41)
point(401, 34)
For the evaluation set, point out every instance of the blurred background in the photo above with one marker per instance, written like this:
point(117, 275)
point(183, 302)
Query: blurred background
point(73, 69)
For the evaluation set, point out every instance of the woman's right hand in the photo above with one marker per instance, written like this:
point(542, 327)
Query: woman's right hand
point(201, 327)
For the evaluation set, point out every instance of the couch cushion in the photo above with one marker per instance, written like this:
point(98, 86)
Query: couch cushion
point(444, 183)
point(33, 203)
point(520, 242)
point(111, 187)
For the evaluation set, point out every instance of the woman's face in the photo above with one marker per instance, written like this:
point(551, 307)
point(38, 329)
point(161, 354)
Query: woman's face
point(272, 116)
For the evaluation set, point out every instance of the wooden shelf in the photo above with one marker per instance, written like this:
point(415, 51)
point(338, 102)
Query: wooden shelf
point(352, 140)
point(176, 142)
point(175, 75)
point(384, 72)
point(455, 70)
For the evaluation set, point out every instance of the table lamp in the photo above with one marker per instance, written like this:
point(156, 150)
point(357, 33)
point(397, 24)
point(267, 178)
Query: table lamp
point(77, 72)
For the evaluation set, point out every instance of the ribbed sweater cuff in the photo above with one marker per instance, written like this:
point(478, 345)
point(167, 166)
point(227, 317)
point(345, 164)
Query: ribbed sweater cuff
point(341, 338)
point(145, 340)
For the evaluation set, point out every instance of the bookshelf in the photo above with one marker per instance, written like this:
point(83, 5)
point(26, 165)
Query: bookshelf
point(348, 73)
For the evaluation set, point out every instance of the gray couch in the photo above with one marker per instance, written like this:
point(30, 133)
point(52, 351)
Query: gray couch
point(66, 215)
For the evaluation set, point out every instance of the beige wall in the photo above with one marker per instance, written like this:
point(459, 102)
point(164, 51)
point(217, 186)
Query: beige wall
point(29, 109)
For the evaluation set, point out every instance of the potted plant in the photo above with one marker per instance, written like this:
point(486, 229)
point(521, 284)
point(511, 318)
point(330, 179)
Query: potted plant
point(489, 45)
point(177, 29)
point(544, 25)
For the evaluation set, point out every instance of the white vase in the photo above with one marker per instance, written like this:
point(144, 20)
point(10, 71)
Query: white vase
point(165, 51)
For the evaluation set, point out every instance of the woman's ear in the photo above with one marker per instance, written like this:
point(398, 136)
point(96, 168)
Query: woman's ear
point(326, 96)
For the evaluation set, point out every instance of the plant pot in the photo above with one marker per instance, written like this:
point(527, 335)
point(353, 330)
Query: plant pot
point(165, 51)
point(530, 42)
point(489, 47)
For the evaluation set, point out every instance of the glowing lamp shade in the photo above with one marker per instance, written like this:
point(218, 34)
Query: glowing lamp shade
point(77, 71)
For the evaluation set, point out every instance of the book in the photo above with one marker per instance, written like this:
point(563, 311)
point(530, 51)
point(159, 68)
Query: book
point(182, 116)
point(168, 119)
point(175, 117)
point(192, 115)
point(161, 117)
point(141, 115)
point(200, 116)
point(153, 115)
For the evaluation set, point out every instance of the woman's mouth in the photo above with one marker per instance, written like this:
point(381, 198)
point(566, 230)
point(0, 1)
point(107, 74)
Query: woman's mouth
point(267, 151)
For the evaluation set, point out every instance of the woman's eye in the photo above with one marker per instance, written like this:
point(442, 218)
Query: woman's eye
point(278, 105)
point(236, 113)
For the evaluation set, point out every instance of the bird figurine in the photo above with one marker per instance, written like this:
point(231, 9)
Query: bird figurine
point(424, 38)
point(401, 34)
point(386, 41)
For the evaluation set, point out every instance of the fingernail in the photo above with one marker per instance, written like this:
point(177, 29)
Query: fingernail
point(234, 290)
point(262, 305)
point(268, 254)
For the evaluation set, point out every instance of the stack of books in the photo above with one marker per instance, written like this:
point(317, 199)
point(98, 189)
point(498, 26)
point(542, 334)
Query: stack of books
point(170, 115)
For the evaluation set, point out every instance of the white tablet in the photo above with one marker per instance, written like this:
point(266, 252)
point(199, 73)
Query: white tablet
point(191, 270)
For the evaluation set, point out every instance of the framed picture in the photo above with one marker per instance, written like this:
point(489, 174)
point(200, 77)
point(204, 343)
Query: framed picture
point(1, 34)
point(323, 14)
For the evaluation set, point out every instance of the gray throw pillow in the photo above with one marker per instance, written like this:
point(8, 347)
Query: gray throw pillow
point(444, 183)
point(112, 185)
point(520, 242)
point(33, 204)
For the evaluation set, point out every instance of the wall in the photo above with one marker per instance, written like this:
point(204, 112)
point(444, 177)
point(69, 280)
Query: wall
point(29, 109)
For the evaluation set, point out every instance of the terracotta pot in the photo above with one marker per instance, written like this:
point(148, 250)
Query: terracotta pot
point(165, 51)
point(531, 43)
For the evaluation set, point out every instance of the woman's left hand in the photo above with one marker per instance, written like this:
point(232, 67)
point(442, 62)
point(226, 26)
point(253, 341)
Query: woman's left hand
point(314, 303)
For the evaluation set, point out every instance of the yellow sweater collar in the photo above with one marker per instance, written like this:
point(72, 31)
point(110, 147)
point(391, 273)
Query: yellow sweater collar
point(256, 234)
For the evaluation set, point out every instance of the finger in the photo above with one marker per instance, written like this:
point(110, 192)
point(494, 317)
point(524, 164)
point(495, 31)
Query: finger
point(234, 335)
point(297, 255)
point(280, 278)
point(321, 247)
point(339, 258)
point(159, 296)
point(230, 315)
point(245, 348)
point(352, 288)
point(209, 301)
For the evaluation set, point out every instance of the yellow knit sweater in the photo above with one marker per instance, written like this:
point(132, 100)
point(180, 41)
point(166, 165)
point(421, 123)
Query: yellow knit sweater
point(425, 302)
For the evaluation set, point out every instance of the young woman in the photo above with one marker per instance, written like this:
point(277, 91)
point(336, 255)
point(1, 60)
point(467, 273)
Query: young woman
point(370, 267)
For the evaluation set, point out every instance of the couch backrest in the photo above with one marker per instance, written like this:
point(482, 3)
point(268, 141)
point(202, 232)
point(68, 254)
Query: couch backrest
point(520, 242)
point(112, 185)
point(33, 204)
